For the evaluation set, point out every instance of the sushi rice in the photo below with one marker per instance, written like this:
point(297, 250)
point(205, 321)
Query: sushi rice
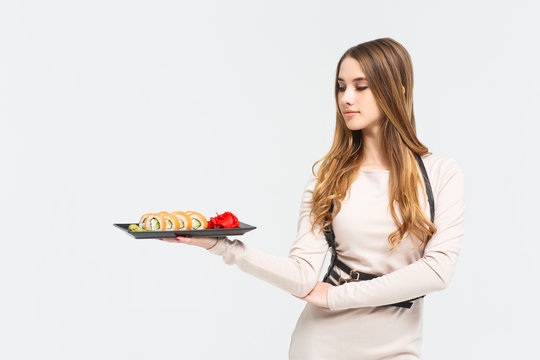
point(198, 220)
point(143, 220)
point(156, 222)
point(171, 221)
point(184, 220)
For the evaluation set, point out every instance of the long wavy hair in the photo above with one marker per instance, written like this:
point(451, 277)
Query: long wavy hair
point(387, 66)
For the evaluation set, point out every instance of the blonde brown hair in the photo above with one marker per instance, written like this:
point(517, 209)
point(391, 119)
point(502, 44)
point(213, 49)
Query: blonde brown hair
point(387, 66)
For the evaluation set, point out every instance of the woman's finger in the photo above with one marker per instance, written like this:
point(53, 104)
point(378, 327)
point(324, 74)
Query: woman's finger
point(184, 240)
point(204, 242)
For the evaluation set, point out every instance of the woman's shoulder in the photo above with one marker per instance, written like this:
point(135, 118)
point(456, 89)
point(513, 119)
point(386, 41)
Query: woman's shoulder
point(437, 162)
point(441, 169)
point(312, 176)
point(313, 172)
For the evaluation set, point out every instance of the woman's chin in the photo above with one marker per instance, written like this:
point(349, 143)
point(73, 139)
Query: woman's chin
point(362, 125)
point(354, 127)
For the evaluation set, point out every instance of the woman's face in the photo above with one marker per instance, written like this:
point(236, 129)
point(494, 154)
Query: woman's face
point(355, 99)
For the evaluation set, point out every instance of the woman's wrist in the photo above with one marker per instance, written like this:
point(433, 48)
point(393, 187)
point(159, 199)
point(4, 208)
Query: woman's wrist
point(215, 243)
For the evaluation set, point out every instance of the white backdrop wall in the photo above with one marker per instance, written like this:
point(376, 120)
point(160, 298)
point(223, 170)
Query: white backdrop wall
point(110, 109)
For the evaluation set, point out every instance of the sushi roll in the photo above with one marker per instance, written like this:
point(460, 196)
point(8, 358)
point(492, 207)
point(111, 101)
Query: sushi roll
point(156, 222)
point(198, 221)
point(171, 221)
point(142, 221)
point(183, 219)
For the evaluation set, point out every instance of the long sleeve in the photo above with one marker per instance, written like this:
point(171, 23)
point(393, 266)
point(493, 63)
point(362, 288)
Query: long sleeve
point(297, 273)
point(433, 271)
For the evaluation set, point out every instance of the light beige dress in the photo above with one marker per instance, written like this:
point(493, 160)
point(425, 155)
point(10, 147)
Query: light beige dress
point(357, 325)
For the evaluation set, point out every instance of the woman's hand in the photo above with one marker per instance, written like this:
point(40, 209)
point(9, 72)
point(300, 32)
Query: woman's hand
point(318, 296)
point(204, 242)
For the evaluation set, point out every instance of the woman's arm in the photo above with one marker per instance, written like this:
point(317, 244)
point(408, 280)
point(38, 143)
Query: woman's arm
point(433, 271)
point(297, 273)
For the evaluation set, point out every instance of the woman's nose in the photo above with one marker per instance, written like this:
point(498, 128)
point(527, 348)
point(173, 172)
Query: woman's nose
point(348, 96)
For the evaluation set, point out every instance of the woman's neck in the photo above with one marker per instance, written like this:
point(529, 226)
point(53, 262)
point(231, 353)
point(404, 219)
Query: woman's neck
point(373, 154)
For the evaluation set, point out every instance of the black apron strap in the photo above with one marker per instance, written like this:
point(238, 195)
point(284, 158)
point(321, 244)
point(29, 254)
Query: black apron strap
point(427, 183)
point(332, 276)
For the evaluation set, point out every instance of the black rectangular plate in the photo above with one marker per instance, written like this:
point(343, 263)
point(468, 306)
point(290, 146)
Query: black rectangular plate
point(241, 230)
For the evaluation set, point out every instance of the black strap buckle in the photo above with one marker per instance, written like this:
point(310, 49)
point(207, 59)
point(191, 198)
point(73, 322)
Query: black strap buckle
point(354, 275)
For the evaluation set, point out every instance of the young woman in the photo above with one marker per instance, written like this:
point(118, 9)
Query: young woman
point(391, 212)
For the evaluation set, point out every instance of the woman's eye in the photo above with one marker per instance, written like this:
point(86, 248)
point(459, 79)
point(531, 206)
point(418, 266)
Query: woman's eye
point(359, 88)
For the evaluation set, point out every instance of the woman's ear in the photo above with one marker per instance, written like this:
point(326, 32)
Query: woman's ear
point(403, 87)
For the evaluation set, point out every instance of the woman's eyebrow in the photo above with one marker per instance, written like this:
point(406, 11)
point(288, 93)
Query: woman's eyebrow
point(357, 79)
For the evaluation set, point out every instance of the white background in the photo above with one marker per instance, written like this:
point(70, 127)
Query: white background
point(110, 109)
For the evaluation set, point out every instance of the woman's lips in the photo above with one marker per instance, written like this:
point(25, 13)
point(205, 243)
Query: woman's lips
point(350, 114)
